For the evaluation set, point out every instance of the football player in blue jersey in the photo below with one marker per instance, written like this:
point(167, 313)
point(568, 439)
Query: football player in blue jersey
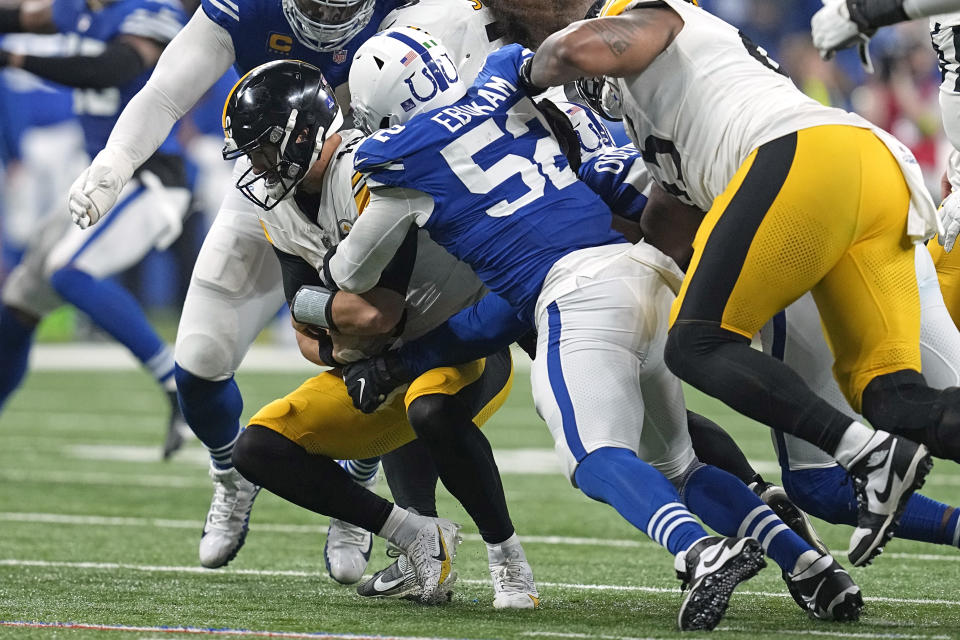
point(236, 288)
point(486, 179)
point(116, 46)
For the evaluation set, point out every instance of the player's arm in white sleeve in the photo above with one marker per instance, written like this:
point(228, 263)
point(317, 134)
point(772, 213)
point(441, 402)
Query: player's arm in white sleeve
point(193, 61)
point(843, 23)
point(361, 257)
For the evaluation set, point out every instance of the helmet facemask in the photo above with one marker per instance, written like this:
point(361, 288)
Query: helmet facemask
point(327, 25)
point(281, 155)
point(602, 95)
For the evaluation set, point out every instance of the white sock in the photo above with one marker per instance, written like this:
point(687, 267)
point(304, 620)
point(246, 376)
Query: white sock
point(806, 559)
point(854, 439)
point(509, 549)
point(402, 526)
point(160, 366)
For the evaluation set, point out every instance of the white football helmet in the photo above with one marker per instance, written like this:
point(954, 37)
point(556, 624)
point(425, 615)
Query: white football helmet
point(399, 73)
point(327, 25)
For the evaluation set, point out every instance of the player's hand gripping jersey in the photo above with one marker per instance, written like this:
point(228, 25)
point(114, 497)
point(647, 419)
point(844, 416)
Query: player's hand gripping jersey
point(487, 163)
point(718, 97)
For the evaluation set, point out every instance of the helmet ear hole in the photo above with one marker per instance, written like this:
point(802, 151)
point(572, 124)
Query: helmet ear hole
point(385, 122)
point(378, 61)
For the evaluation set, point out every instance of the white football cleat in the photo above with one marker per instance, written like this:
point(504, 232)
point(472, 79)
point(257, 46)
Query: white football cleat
point(346, 551)
point(398, 580)
point(513, 584)
point(225, 529)
point(431, 555)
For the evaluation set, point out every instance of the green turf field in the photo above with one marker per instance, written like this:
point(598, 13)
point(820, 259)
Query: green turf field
point(95, 530)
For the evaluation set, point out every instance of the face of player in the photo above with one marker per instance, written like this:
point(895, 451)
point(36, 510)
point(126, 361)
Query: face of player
point(329, 15)
point(264, 160)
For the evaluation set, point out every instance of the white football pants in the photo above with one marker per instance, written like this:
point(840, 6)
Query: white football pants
point(599, 379)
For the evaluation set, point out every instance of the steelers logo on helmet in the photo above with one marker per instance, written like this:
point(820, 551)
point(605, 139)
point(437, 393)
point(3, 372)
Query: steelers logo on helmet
point(278, 116)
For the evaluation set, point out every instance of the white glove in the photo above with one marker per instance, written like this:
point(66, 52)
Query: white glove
point(832, 28)
point(93, 194)
point(950, 217)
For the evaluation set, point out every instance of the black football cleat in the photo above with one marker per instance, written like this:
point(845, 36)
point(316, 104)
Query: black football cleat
point(712, 568)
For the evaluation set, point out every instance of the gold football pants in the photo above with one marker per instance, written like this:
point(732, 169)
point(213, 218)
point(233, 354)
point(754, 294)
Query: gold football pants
point(823, 210)
point(320, 417)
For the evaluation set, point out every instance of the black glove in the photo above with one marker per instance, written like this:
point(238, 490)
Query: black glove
point(868, 15)
point(325, 350)
point(525, 82)
point(370, 381)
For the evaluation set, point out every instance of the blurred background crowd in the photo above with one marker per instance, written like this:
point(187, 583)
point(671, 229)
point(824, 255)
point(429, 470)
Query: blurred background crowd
point(41, 144)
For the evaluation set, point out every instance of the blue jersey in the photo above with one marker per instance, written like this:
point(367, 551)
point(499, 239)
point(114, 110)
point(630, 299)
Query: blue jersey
point(619, 176)
point(505, 199)
point(97, 109)
point(261, 33)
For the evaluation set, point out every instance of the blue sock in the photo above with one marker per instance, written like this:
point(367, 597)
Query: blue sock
point(825, 493)
point(641, 494)
point(362, 471)
point(212, 409)
point(16, 338)
point(112, 308)
point(730, 508)
point(828, 494)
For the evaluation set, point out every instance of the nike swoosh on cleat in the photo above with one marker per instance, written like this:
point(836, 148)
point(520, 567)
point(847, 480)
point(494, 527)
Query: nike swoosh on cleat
point(363, 383)
point(884, 496)
point(382, 585)
point(442, 553)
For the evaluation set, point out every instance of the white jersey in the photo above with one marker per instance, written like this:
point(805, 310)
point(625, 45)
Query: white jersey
point(440, 284)
point(465, 29)
point(711, 98)
point(944, 31)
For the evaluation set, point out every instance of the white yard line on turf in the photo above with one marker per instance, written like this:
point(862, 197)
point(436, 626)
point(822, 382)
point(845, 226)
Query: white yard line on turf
point(113, 566)
point(319, 635)
point(162, 523)
point(87, 356)
point(843, 634)
point(562, 634)
point(797, 632)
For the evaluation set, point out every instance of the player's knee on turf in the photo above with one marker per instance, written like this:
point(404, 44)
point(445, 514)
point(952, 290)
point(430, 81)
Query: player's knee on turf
point(825, 493)
point(437, 417)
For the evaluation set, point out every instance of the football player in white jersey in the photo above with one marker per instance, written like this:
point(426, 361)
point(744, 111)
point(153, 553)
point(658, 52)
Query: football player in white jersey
point(236, 288)
point(726, 132)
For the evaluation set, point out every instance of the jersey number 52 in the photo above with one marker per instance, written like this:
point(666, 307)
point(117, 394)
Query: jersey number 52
point(534, 169)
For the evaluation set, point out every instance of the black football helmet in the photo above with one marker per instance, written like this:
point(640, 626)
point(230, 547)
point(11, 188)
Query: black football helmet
point(598, 91)
point(279, 115)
